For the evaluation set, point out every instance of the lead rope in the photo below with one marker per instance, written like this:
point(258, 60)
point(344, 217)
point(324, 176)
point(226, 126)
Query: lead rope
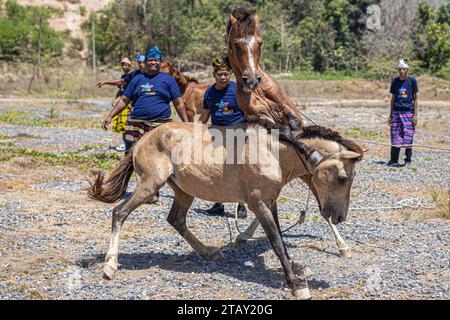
point(300, 220)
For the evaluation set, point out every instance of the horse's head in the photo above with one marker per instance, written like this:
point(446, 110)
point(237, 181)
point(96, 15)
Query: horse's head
point(169, 68)
point(332, 179)
point(244, 47)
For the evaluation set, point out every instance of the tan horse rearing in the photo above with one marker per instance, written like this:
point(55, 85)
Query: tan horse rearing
point(157, 161)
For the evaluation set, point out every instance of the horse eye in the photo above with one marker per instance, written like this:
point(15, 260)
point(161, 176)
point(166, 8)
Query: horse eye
point(342, 179)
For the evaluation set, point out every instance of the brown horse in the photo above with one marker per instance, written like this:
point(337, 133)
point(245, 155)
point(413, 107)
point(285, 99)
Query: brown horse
point(169, 154)
point(258, 95)
point(191, 90)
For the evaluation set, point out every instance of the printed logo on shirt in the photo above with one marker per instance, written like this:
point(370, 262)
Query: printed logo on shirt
point(148, 88)
point(403, 92)
point(223, 107)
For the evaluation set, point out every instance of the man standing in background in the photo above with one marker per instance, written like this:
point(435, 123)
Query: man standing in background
point(220, 104)
point(403, 114)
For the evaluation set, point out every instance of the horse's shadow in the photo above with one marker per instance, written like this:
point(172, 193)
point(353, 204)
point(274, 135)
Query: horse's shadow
point(245, 263)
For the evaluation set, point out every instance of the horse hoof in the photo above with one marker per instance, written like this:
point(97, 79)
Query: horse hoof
point(213, 254)
point(109, 272)
point(302, 294)
point(345, 253)
point(217, 255)
point(239, 242)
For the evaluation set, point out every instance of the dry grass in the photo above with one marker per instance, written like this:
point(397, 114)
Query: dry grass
point(431, 88)
point(13, 185)
point(441, 198)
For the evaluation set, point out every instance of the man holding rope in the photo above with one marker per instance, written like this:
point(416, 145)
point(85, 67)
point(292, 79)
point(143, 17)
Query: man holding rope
point(403, 115)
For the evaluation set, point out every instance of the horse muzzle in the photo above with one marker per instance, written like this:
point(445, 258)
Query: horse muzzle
point(250, 83)
point(336, 218)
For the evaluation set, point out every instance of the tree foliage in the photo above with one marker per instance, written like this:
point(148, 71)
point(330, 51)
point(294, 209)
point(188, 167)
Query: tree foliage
point(19, 32)
point(431, 37)
point(298, 35)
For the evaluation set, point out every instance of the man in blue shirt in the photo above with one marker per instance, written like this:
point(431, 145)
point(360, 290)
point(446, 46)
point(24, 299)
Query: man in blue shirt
point(150, 93)
point(119, 121)
point(220, 104)
point(403, 115)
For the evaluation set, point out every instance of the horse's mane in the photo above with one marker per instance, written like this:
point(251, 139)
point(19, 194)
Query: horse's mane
point(181, 79)
point(191, 79)
point(310, 132)
point(246, 18)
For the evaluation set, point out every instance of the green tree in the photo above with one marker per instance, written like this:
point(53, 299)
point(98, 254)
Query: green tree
point(431, 37)
point(19, 32)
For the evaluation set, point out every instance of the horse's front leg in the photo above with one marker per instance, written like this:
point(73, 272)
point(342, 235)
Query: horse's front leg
point(344, 249)
point(298, 286)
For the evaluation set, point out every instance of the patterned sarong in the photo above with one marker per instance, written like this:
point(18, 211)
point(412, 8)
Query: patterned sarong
point(135, 129)
point(402, 128)
point(120, 120)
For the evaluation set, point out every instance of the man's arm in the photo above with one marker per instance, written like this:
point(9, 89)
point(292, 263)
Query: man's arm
point(416, 108)
point(204, 117)
point(116, 83)
point(180, 108)
point(118, 108)
point(391, 109)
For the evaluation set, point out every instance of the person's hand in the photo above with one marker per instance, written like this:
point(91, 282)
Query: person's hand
point(415, 120)
point(105, 122)
point(100, 84)
point(389, 121)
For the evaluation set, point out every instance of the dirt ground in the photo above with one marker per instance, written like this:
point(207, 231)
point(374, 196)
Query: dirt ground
point(53, 238)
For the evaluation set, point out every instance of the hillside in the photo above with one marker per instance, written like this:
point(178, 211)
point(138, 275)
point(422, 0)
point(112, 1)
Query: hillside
point(75, 13)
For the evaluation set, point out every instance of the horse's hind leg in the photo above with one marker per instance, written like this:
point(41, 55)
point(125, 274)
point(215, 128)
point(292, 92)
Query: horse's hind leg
point(141, 195)
point(344, 249)
point(177, 218)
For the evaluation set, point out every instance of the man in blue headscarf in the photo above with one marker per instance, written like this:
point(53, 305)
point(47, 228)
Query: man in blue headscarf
point(150, 94)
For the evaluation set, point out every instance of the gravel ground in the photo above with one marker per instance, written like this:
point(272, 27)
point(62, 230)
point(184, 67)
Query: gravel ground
point(53, 239)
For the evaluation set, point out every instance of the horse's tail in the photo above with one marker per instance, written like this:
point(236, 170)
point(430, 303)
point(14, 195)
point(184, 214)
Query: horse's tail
point(113, 188)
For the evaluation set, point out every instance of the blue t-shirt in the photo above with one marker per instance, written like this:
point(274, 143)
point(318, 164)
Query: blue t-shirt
point(223, 105)
point(151, 95)
point(127, 77)
point(403, 91)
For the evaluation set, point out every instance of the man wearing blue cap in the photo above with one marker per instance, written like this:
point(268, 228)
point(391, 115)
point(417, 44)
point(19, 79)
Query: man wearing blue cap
point(140, 58)
point(150, 93)
point(126, 77)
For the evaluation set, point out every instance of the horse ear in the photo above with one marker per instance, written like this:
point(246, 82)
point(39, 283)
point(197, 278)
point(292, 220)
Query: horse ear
point(350, 155)
point(233, 20)
point(257, 20)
